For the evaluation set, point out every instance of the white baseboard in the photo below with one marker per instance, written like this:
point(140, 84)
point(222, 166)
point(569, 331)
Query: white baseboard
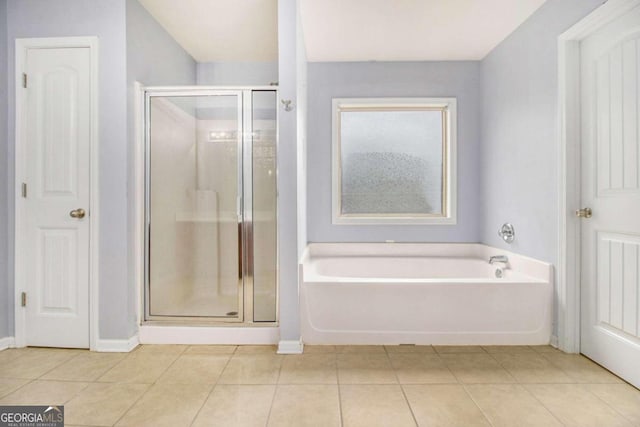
point(290, 347)
point(117, 346)
point(7, 342)
point(195, 335)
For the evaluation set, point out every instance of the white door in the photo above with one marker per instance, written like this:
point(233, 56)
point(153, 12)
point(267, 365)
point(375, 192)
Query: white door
point(56, 128)
point(610, 87)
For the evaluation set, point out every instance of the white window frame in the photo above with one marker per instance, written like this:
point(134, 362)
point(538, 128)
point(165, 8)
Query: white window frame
point(449, 108)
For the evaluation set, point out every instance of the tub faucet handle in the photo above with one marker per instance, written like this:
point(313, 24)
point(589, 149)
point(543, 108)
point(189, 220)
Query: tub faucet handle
point(498, 258)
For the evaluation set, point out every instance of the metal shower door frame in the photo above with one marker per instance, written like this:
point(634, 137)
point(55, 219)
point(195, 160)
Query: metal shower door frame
point(244, 204)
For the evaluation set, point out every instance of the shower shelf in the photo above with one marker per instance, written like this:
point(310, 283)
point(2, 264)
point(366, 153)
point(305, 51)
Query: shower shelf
point(196, 217)
point(204, 217)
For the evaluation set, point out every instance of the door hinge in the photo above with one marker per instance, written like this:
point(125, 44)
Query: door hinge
point(23, 299)
point(24, 80)
point(24, 190)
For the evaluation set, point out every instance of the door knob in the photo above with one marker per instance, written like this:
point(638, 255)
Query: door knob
point(77, 213)
point(584, 213)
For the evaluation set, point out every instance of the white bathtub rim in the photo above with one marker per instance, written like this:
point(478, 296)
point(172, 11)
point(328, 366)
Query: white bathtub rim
point(539, 270)
point(317, 279)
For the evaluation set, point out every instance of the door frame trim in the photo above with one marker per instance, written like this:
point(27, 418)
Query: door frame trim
point(20, 256)
point(569, 173)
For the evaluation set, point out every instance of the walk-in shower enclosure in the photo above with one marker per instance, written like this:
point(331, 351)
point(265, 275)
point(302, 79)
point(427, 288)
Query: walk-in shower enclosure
point(210, 205)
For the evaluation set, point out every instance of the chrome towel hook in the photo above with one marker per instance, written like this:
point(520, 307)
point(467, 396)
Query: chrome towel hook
point(286, 104)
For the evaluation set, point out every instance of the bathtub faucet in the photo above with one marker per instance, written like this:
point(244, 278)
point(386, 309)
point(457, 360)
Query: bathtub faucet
point(498, 258)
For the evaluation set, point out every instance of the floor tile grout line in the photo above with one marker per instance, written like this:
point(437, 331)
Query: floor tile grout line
point(494, 358)
point(77, 393)
point(29, 381)
point(339, 399)
point(444, 363)
point(212, 389)
point(58, 365)
point(458, 379)
point(135, 402)
point(580, 356)
point(517, 381)
point(32, 380)
point(275, 392)
point(41, 378)
point(483, 351)
point(404, 395)
point(555, 366)
point(110, 385)
point(337, 371)
point(486, 417)
point(334, 367)
point(131, 353)
point(150, 385)
point(584, 387)
point(524, 386)
point(406, 400)
point(273, 400)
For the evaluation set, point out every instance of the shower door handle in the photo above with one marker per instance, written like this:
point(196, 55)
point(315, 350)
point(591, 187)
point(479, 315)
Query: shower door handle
point(239, 249)
point(240, 225)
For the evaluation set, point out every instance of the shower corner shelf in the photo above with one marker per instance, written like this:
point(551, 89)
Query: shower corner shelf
point(200, 217)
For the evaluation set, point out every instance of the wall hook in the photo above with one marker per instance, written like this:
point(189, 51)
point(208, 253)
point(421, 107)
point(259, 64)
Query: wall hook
point(287, 104)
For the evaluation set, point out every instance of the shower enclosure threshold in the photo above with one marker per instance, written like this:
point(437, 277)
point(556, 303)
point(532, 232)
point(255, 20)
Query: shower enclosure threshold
point(223, 334)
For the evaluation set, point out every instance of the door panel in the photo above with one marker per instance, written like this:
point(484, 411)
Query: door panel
point(58, 248)
point(617, 282)
point(57, 127)
point(59, 88)
point(617, 118)
point(610, 77)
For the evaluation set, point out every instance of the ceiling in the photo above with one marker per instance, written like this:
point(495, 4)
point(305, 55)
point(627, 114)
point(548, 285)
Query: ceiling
point(409, 30)
point(344, 30)
point(220, 30)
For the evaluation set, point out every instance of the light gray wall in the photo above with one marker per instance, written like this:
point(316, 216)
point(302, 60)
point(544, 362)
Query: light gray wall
point(154, 58)
point(105, 19)
point(301, 117)
point(392, 79)
point(6, 311)
point(287, 170)
point(224, 73)
point(519, 131)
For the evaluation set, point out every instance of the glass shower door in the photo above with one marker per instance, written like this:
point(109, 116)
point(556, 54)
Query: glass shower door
point(194, 219)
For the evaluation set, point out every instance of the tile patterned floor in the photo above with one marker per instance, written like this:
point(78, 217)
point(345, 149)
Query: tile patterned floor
point(393, 386)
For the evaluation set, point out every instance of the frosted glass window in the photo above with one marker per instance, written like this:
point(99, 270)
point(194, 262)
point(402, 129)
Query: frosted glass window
point(393, 161)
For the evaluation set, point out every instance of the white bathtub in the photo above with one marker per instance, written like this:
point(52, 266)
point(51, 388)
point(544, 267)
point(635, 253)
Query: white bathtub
point(395, 293)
